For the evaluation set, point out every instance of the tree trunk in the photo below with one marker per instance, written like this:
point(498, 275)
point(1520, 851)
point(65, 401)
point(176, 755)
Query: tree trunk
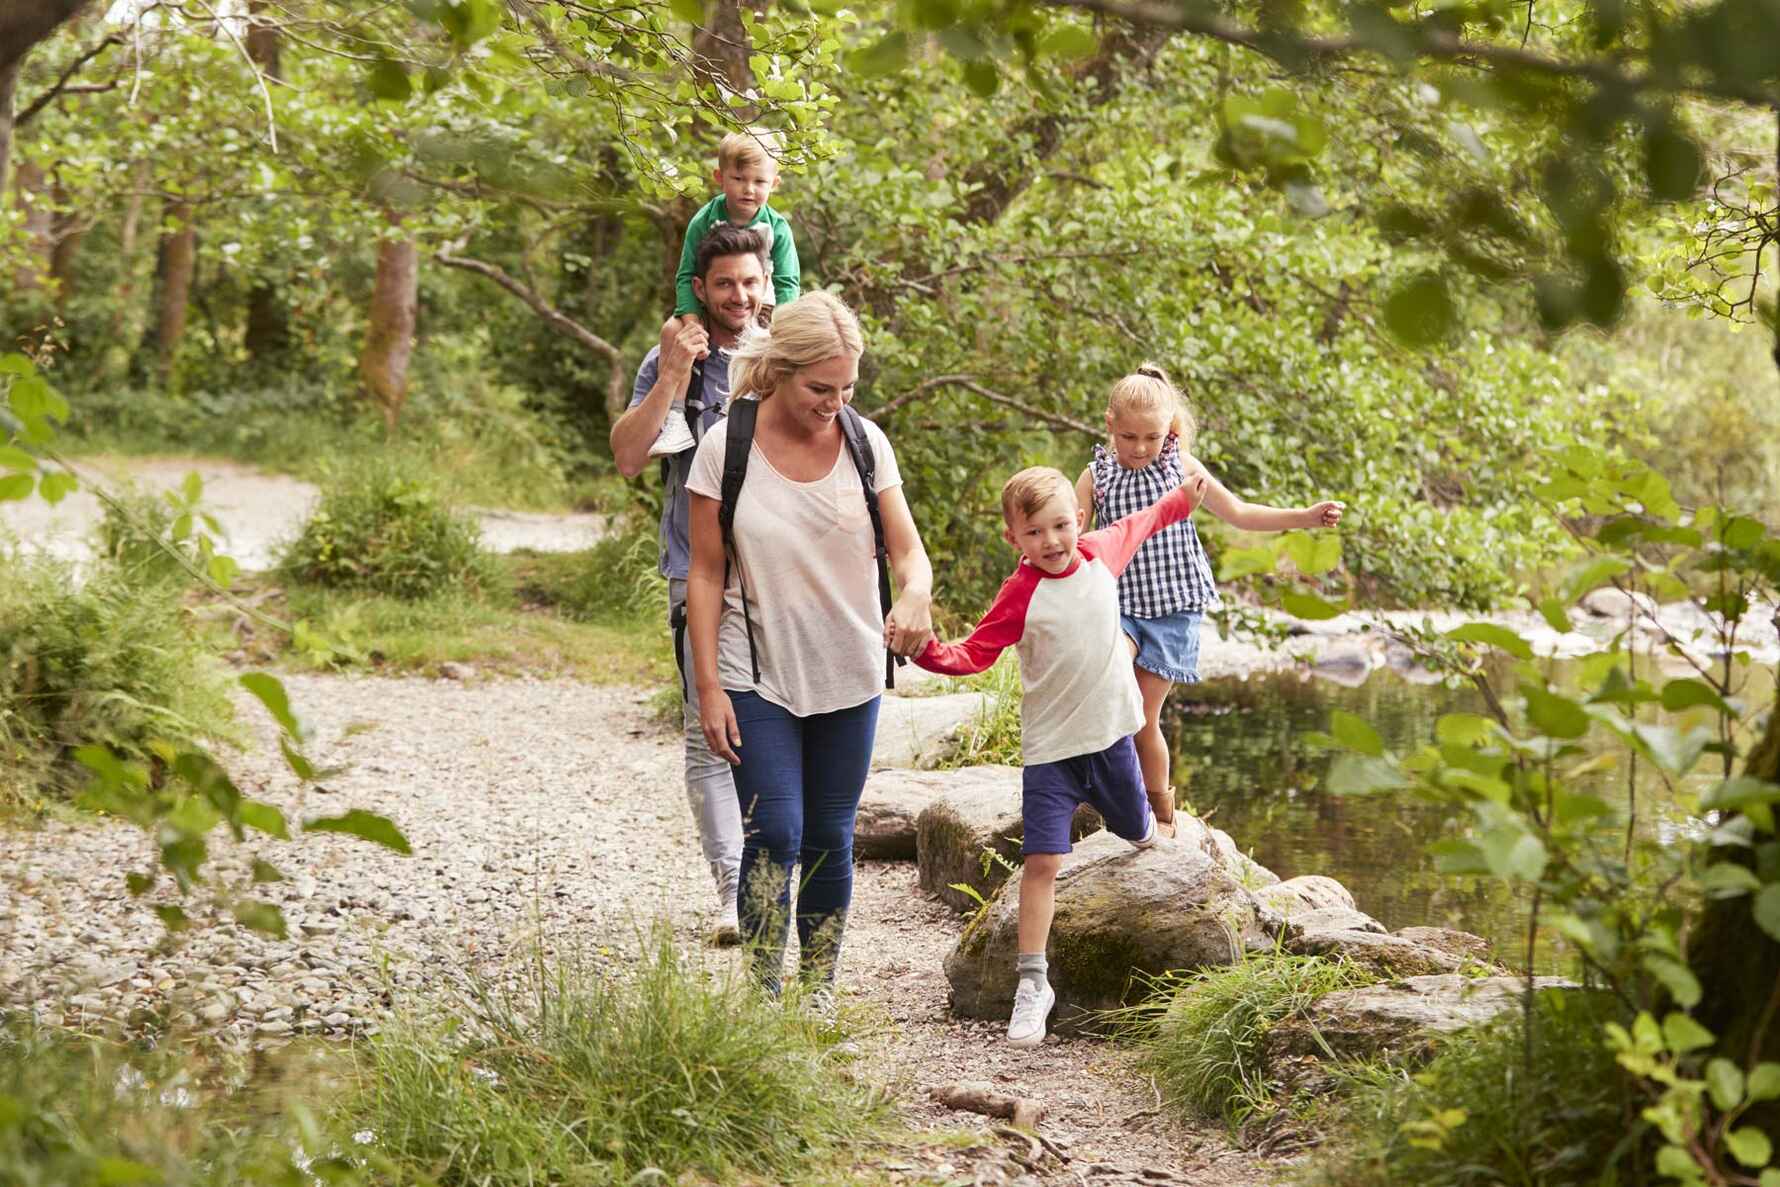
point(268, 321)
point(122, 324)
point(389, 335)
point(32, 199)
point(70, 230)
point(23, 23)
point(9, 84)
point(721, 44)
point(1738, 964)
point(178, 256)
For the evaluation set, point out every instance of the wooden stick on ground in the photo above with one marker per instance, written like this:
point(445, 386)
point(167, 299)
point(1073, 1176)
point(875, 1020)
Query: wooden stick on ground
point(978, 1096)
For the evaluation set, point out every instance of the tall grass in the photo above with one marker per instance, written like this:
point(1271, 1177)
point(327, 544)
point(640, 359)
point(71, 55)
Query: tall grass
point(1473, 1116)
point(617, 580)
point(993, 734)
point(1202, 1034)
point(592, 1075)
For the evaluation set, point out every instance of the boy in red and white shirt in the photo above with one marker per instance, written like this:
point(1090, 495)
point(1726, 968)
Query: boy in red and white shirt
point(1060, 609)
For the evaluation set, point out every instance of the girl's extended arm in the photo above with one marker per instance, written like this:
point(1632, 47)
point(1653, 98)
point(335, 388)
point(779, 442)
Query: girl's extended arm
point(1257, 517)
point(910, 624)
point(704, 607)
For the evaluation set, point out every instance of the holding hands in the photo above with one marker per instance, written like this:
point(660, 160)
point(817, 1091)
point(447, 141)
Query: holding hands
point(910, 624)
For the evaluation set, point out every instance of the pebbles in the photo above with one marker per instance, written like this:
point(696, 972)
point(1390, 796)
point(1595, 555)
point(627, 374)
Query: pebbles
point(539, 812)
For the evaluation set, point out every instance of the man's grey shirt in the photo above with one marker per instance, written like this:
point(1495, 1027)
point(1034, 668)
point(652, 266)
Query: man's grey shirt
point(676, 552)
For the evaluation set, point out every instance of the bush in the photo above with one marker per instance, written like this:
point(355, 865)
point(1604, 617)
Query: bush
point(993, 734)
point(136, 533)
point(386, 529)
point(1473, 1115)
point(107, 661)
point(617, 580)
point(1202, 1033)
point(592, 1076)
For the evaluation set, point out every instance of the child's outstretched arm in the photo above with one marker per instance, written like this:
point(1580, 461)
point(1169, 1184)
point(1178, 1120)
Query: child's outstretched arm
point(1000, 629)
point(1114, 546)
point(1258, 517)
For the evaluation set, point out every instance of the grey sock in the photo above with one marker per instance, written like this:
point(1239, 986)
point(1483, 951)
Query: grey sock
point(1033, 967)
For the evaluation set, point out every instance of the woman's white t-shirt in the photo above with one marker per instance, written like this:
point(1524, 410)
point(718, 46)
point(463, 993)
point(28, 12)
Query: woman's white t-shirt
point(805, 551)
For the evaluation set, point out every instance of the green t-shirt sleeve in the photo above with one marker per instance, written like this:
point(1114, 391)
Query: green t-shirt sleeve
point(685, 300)
point(787, 276)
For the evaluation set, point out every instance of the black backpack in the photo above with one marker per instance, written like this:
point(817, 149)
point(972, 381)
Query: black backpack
point(740, 441)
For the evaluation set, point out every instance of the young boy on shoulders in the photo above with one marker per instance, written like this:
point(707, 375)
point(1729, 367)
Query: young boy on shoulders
point(747, 173)
point(1060, 609)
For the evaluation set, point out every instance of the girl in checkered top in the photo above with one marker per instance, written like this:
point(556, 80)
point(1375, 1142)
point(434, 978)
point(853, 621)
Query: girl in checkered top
point(1168, 586)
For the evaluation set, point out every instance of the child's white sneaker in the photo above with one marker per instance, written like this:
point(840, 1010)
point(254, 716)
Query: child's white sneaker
point(675, 436)
point(1031, 1007)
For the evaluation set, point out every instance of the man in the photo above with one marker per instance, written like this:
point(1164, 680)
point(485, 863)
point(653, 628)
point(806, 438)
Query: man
point(730, 281)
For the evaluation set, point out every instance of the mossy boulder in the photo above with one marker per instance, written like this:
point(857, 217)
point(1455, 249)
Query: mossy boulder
point(1308, 892)
point(1398, 1022)
point(975, 809)
point(884, 830)
point(1122, 914)
point(1386, 955)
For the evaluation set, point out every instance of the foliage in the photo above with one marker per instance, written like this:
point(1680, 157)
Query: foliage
point(589, 1074)
point(1202, 1033)
point(388, 529)
point(992, 735)
point(617, 580)
point(106, 661)
point(1472, 1115)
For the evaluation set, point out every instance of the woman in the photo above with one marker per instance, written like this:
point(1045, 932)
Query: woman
point(789, 678)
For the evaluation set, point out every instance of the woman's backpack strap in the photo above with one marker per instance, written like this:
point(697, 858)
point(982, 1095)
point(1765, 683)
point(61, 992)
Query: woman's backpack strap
point(866, 462)
point(737, 445)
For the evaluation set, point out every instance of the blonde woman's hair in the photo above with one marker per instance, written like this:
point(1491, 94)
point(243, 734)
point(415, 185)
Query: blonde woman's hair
point(1031, 489)
point(749, 148)
point(816, 327)
point(1147, 390)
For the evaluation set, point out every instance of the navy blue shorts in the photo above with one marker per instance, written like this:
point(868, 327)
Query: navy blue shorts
point(1168, 646)
point(1111, 780)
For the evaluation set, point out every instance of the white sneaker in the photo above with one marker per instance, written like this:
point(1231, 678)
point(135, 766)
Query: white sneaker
point(1031, 1007)
point(675, 436)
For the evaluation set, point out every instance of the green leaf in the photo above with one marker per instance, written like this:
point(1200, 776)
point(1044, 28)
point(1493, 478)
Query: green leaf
point(140, 884)
point(1688, 693)
point(360, 823)
point(1356, 733)
point(1555, 716)
point(1672, 749)
point(172, 918)
point(1238, 563)
point(261, 917)
point(1360, 774)
point(1592, 574)
point(1749, 1146)
point(1739, 792)
point(886, 56)
point(1512, 852)
point(264, 817)
point(265, 871)
point(388, 80)
point(56, 485)
point(1769, 1178)
point(1307, 606)
point(269, 691)
point(1742, 533)
point(14, 458)
point(111, 1171)
point(1764, 1083)
point(1420, 312)
point(1454, 856)
point(1464, 729)
point(1724, 1080)
point(1494, 635)
point(1727, 879)
point(1682, 1034)
point(982, 76)
point(1070, 41)
point(1555, 615)
point(14, 487)
point(298, 763)
point(1766, 909)
point(690, 11)
point(1676, 977)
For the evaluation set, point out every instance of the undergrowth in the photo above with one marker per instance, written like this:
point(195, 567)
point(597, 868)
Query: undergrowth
point(594, 1075)
point(992, 735)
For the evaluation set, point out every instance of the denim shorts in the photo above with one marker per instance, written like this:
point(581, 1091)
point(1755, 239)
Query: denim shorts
point(1167, 646)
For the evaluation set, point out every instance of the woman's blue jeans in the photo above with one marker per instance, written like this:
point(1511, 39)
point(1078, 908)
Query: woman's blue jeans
point(798, 783)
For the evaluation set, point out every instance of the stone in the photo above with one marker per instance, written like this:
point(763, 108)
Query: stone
point(1337, 919)
point(1387, 955)
point(1307, 892)
point(1460, 944)
point(1221, 846)
point(1122, 914)
point(1399, 1021)
point(451, 670)
point(884, 829)
point(978, 810)
point(919, 731)
point(1608, 602)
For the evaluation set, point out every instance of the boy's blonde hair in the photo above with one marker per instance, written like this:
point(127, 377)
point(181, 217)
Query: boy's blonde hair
point(814, 328)
point(749, 148)
point(1147, 390)
point(1031, 489)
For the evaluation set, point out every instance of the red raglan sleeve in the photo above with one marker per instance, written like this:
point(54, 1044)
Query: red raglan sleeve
point(1000, 629)
point(1115, 545)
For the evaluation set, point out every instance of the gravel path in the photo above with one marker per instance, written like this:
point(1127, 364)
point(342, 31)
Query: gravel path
point(539, 810)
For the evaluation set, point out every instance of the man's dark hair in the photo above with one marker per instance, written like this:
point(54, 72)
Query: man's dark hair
point(727, 239)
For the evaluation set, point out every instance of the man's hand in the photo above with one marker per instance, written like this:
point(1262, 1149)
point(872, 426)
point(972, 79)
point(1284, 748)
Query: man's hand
point(683, 342)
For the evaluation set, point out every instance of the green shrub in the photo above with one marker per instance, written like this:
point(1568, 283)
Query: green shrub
point(1473, 1115)
point(1202, 1033)
point(992, 735)
point(617, 580)
point(385, 528)
point(109, 660)
point(591, 1075)
point(136, 533)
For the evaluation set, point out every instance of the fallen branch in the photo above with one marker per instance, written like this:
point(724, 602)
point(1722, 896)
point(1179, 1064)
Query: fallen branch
point(978, 1096)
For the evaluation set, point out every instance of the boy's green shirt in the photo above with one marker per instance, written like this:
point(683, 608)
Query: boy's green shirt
point(787, 281)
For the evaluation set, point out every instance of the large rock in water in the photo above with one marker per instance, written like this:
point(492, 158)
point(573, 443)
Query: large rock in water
point(977, 809)
point(1120, 912)
point(895, 798)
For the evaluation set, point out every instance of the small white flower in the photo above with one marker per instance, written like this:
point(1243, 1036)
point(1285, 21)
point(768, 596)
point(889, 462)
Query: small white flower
point(487, 1075)
point(364, 1137)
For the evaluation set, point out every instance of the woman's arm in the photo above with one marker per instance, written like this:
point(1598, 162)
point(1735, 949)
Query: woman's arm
point(910, 623)
point(1084, 494)
point(1258, 517)
point(704, 609)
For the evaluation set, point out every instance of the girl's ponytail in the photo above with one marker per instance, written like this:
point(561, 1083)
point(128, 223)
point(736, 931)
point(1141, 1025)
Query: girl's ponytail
point(1148, 389)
